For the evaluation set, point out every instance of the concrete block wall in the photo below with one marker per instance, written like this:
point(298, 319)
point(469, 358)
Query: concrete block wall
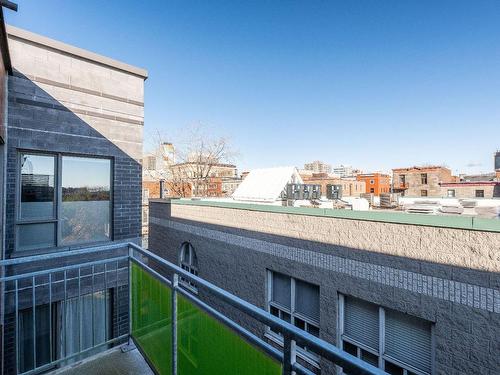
point(446, 276)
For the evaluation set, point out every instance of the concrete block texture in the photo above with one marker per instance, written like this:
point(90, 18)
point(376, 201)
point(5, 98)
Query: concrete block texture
point(235, 248)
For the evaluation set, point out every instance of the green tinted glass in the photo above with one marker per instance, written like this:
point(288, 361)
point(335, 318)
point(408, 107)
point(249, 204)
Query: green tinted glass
point(206, 346)
point(151, 319)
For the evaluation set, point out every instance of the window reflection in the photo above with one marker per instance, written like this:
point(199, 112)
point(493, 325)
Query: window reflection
point(37, 186)
point(86, 196)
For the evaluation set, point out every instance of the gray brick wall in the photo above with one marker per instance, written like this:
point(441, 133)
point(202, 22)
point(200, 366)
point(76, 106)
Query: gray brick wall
point(467, 329)
point(61, 103)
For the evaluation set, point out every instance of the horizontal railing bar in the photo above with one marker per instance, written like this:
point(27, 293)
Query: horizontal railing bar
point(62, 254)
point(160, 277)
point(317, 345)
point(53, 363)
point(68, 279)
point(60, 269)
point(275, 353)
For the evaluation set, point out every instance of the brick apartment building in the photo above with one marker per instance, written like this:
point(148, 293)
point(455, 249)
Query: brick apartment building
point(376, 183)
point(421, 181)
point(472, 189)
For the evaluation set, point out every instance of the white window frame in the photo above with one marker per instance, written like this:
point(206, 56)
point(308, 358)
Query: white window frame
point(304, 354)
point(381, 358)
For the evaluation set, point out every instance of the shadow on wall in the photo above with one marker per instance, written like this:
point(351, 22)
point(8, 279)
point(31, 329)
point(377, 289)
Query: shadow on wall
point(40, 123)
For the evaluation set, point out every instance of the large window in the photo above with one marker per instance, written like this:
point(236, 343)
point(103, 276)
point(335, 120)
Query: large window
point(189, 262)
point(296, 302)
point(395, 342)
point(58, 327)
point(63, 200)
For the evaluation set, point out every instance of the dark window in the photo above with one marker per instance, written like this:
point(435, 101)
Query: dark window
point(479, 193)
point(372, 190)
point(80, 214)
point(423, 193)
point(423, 178)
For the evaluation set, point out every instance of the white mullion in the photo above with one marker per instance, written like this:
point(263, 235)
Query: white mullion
point(381, 338)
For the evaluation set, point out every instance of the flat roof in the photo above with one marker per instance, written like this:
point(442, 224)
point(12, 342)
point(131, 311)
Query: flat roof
point(29, 36)
point(442, 221)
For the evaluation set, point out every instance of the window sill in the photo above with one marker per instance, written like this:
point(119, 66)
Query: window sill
point(49, 250)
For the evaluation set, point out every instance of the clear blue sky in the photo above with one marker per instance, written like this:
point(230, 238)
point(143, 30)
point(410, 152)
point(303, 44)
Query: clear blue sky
point(375, 84)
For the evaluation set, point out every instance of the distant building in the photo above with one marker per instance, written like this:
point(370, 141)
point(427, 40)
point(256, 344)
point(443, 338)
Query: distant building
point(477, 189)
point(375, 183)
point(266, 185)
point(350, 186)
point(345, 171)
point(421, 181)
point(229, 185)
point(318, 167)
point(497, 161)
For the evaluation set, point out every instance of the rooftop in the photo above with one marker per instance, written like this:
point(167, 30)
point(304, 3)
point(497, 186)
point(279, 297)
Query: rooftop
point(19, 33)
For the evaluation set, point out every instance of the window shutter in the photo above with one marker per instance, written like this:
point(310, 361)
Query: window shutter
point(307, 299)
point(408, 339)
point(281, 289)
point(361, 322)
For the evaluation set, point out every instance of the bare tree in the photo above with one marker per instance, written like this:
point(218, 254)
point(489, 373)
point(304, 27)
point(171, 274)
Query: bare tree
point(189, 167)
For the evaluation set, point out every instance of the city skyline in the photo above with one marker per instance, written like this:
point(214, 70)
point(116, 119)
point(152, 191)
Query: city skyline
point(372, 86)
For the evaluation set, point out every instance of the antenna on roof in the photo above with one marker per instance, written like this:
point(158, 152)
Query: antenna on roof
point(9, 5)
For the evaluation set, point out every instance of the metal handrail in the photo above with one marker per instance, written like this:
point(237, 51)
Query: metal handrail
point(339, 357)
point(292, 335)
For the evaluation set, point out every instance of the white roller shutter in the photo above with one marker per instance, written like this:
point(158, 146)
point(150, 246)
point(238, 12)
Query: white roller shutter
point(361, 322)
point(408, 339)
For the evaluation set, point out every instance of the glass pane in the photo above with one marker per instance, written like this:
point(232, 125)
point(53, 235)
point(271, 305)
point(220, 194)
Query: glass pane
point(369, 357)
point(307, 299)
point(206, 346)
point(35, 236)
point(42, 337)
point(151, 319)
point(393, 369)
point(350, 348)
point(37, 186)
point(281, 289)
point(86, 194)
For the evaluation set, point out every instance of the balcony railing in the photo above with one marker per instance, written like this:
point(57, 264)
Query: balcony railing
point(55, 316)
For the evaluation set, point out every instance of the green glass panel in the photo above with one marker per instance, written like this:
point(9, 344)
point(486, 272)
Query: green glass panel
point(151, 319)
point(206, 346)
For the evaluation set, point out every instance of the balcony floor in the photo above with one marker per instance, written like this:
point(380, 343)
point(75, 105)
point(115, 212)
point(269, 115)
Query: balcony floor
point(112, 362)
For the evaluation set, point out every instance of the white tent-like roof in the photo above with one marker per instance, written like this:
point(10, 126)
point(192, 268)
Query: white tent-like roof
point(266, 184)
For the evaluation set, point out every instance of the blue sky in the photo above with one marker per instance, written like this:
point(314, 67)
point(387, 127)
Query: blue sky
point(373, 84)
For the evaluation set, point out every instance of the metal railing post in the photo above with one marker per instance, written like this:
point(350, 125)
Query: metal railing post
point(289, 355)
point(175, 284)
point(130, 255)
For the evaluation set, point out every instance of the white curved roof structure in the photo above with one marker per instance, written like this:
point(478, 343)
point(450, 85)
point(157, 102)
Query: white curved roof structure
point(266, 184)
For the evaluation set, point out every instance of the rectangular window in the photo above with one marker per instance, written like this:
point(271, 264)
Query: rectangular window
point(296, 302)
point(397, 343)
point(423, 193)
point(58, 328)
point(372, 190)
point(423, 178)
point(450, 193)
point(86, 200)
point(63, 200)
point(479, 193)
